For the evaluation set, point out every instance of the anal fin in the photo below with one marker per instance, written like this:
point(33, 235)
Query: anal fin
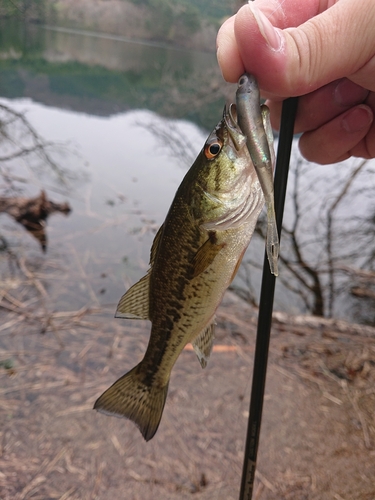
point(203, 344)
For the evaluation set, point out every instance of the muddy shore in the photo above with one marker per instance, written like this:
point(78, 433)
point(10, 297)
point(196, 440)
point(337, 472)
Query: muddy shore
point(318, 430)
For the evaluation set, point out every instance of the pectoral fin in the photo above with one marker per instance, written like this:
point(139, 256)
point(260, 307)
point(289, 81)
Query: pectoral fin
point(134, 304)
point(206, 254)
point(203, 344)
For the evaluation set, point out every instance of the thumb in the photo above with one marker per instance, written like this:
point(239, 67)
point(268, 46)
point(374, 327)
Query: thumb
point(336, 43)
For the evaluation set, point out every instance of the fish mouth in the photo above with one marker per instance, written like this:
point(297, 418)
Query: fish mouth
point(231, 123)
point(230, 117)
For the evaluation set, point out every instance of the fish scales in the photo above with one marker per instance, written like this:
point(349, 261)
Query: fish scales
point(194, 258)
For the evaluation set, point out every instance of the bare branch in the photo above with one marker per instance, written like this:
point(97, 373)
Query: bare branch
point(329, 239)
point(22, 149)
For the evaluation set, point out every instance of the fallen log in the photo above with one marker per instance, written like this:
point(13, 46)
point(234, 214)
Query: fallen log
point(324, 324)
point(32, 213)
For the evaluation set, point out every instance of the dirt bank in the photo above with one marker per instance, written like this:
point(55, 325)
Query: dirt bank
point(318, 431)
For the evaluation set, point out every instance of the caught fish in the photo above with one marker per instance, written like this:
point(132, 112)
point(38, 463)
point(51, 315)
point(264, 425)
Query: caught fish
point(255, 123)
point(194, 257)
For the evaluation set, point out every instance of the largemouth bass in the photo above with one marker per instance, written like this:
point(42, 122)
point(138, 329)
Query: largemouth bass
point(194, 257)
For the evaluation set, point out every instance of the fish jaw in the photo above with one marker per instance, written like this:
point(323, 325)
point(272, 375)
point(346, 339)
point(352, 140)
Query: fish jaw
point(226, 190)
point(246, 203)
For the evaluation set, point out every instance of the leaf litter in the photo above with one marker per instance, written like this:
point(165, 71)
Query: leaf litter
point(318, 419)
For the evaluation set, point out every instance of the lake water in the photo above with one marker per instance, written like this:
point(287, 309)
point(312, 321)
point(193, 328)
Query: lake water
point(99, 101)
point(125, 121)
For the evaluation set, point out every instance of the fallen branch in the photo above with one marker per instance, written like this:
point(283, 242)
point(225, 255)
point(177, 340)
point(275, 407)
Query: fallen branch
point(32, 213)
point(337, 325)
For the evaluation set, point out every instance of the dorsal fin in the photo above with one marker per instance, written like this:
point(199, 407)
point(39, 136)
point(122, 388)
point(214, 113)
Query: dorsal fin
point(203, 343)
point(155, 245)
point(134, 304)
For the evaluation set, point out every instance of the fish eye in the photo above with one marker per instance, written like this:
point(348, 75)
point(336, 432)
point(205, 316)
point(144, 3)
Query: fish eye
point(213, 149)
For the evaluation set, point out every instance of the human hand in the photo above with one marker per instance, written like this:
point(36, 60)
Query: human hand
point(322, 50)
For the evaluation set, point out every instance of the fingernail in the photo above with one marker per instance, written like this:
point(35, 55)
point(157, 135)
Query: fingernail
point(348, 93)
point(357, 119)
point(270, 33)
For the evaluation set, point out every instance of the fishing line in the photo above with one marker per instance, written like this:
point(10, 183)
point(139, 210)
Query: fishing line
point(266, 305)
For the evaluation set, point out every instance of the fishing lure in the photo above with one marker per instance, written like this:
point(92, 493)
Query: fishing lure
point(254, 121)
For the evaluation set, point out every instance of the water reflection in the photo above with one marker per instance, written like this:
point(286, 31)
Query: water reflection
point(327, 241)
point(85, 94)
point(123, 184)
point(105, 75)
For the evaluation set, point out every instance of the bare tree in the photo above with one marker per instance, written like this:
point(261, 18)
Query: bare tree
point(327, 239)
point(19, 140)
point(328, 232)
point(25, 154)
point(24, 9)
point(21, 144)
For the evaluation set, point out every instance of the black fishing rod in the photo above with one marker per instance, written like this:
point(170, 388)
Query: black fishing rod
point(266, 305)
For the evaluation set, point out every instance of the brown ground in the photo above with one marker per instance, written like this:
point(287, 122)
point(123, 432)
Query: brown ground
point(318, 430)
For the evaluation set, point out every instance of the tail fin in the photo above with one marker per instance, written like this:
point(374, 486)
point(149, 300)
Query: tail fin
point(129, 397)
